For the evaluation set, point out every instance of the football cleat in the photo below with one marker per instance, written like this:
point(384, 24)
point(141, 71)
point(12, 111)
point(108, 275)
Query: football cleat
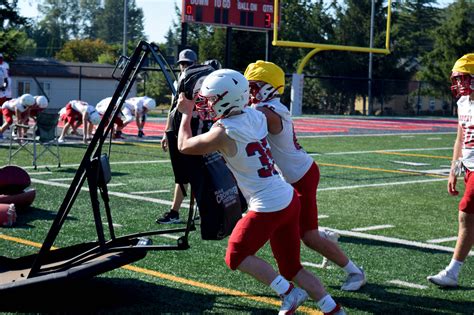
point(292, 300)
point(354, 281)
point(444, 279)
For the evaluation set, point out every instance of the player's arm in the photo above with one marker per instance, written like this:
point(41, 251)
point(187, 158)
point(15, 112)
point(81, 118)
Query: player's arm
point(85, 122)
point(457, 152)
point(274, 123)
point(211, 141)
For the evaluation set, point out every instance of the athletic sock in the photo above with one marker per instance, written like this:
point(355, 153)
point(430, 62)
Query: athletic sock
point(280, 285)
point(454, 267)
point(351, 268)
point(327, 304)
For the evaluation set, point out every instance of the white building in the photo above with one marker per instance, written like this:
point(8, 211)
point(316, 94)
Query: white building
point(63, 81)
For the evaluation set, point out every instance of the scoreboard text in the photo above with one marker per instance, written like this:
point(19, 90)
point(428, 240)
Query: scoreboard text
point(255, 14)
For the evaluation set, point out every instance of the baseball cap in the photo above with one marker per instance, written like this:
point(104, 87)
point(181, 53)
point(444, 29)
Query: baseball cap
point(187, 55)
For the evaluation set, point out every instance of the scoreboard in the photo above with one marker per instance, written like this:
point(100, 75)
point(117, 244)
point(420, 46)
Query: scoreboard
point(253, 14)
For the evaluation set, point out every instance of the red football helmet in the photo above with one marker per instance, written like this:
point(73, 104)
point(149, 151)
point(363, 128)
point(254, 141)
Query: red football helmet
point(462, 84)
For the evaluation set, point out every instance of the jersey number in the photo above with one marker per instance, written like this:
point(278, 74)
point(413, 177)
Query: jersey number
point(265, 157)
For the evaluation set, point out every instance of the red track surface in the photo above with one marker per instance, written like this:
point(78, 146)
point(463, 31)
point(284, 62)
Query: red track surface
point(334, 126)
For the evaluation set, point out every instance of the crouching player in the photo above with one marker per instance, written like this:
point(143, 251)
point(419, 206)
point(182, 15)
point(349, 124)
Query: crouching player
point(119, 123)
point(239, 134)
point(76, 113)
point(18, 107)
point(138, 107)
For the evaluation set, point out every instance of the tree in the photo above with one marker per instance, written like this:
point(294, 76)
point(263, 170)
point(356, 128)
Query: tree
point(85, 50)
point(110, 19)
point(453, 38)
point(13, 36)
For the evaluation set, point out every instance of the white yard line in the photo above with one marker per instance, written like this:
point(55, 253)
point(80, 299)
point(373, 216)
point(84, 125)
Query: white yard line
point(323, 216)
point(384, 184)
point(39, 173)
point(373, 228)
point(408, 284)
point(111, 163)
point(150, 192)
point(410, 163)
point(61, 179)
point(112, 193)
point(442, 240)
point(341, 232)
point(380, 135)
point(394, 240)
point(378, 151)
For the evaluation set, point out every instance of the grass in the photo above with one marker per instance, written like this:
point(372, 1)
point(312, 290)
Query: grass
point(360, 186)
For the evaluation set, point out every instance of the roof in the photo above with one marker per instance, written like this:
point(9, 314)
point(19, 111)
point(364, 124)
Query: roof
point(42, 67)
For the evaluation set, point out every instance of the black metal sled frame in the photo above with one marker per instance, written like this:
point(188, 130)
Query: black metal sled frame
point(50, 266)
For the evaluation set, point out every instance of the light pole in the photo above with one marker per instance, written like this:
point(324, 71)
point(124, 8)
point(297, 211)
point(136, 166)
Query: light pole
point(370, 102)
point(125, 18)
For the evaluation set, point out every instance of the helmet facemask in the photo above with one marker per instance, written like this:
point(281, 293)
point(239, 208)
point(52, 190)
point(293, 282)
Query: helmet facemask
point(462, 84)
point(262, 92)
point(205, 106)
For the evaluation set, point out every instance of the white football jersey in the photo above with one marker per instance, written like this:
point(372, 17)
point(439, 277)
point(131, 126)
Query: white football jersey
point(14, 104)
point(137, 103)
point(466, 121)
point(81, 106)
point(252, 165)
point(292, 161)
point(102, 106)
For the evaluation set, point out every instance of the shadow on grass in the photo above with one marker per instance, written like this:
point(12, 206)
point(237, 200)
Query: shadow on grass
point(118, 296)
point(34, 214)
point(382, 301)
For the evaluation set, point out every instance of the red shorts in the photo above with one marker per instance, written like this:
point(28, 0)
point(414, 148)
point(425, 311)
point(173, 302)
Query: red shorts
point(256, 228)
point(467, 202)
point(71, 115)
point(306, 188)
point(8, 115)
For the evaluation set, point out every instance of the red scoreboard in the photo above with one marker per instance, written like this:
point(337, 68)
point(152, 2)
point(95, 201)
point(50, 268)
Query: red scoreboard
point(254, 14)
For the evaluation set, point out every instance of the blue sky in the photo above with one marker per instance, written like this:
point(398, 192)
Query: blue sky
point(159, 15)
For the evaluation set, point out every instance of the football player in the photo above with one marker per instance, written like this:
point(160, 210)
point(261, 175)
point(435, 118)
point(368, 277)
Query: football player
point(462, 78)
point(76, 113)
point(267, 83)
point(18, 107)
point(138, 107)
point(119, 123)
point(239, 134)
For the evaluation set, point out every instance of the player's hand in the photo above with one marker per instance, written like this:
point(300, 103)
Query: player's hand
point(452, 180)
point(185, 105)
point(164, 143)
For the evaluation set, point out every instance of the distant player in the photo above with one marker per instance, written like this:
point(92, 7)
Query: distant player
point(138, 107)
point(18, 107)
point(41, 103)
point(462, 77)
point(76, 113)
point(119, 123)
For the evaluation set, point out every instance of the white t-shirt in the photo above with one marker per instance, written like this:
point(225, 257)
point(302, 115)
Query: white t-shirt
point(260, 183)
point(292, 161)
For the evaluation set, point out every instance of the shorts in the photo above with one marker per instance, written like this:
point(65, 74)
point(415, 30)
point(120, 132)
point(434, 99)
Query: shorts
point(71, 115)
point(256, 228)
point(467, 202)
point(8, 115)
point(306, 188)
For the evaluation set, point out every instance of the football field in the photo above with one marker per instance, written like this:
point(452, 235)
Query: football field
point(382, 189)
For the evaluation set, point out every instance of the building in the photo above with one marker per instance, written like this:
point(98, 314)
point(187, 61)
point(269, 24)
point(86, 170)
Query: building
point(63, 81)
